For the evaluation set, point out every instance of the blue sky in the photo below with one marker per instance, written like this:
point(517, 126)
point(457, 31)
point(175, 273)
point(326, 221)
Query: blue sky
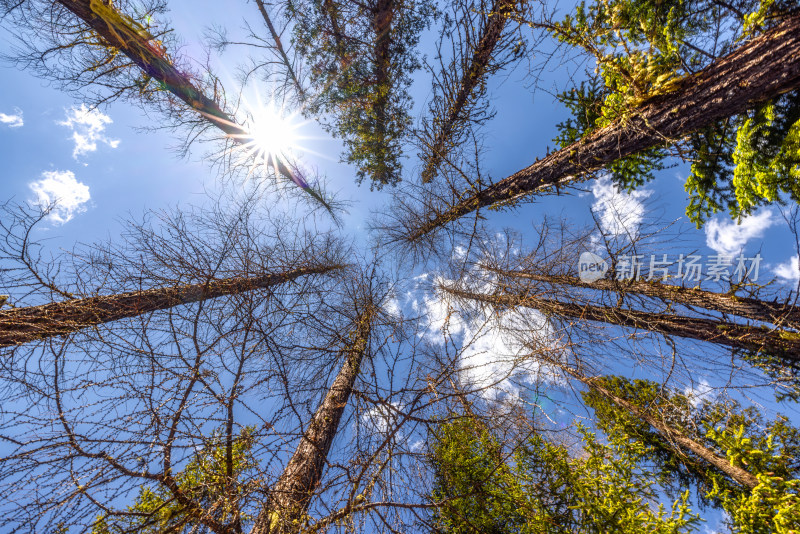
point(122, 169)
point(99, 166)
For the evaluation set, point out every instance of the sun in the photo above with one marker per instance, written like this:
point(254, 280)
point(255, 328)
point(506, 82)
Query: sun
point(271, 133)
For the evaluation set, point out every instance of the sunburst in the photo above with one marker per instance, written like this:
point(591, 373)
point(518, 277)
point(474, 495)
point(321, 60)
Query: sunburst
point(270, 138)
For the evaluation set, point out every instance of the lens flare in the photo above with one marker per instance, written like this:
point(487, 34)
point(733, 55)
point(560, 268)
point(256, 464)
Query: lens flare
point(271, 133)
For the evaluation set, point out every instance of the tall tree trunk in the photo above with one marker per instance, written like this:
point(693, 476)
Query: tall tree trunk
point(22, 325)
point(382, 17)
point(758, 71)
point(471, 78)
point(291, 495)
point(674, 437)
point(119, 31)
point(781, 344)
point(780, 314)
point(287, 63)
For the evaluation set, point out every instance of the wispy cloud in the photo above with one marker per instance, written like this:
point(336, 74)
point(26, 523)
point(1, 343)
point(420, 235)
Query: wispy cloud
point(700, 393)
point(727, 238)
point(619, 213)
point(62, 193)
point(493, 362)
point(87, 127)
point(789, 271)
point(13, 121)
point(382, 419)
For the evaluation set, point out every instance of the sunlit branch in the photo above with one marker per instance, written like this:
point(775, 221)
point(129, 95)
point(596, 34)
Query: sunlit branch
point(761, 70)
point(22, 325)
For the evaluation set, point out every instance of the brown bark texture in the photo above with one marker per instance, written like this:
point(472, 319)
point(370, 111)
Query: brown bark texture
point(290, 497)
point(23, 325)
point(117, 31)
point(262, 8)
point(673, 436)
point(778, 343)
point(780, 314)
point(758, 71)
point(382, 15)
point(472, 77)
point(147, 56)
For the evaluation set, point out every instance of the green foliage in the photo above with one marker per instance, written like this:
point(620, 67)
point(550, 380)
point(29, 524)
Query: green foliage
point(204, 480)
point(586, 104)
point(477, 487)
point(770, 450)
point(542, 488)
point(642, 49)
point(636, 45)
point(362, 57)
point(773, 505)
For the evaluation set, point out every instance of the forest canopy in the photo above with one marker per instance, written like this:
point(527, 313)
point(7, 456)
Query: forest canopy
point(443, 351)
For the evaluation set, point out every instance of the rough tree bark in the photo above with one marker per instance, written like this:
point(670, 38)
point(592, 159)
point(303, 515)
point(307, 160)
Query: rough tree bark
point(758, 71)
point(780, 314)
point(22, 325)
point(382, 15)
point(291, 495)
point(673, 436)
point(116, 30)
point(778, 343)
point(287, 63)
point(471, 78)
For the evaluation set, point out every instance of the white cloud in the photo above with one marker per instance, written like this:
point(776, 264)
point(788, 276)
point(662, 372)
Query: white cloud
point(441, 317)
point(727, 238)
point(61, 191)
point(13, 121)
point(87, 127)
point(700, 393)
point(392, 307)
point(789, 271)
point(620, 213)
point(382, 419)
point(495, 364)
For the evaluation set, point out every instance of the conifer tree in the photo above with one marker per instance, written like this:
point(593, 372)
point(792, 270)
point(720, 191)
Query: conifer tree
point(23, 325)
point(755, 74)
point(482, 484)
point(361, 57)
point(643, 411)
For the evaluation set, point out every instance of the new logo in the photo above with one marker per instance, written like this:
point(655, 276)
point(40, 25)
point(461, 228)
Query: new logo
point(591, 267)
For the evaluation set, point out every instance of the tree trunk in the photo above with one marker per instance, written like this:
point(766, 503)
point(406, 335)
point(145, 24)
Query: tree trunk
point(116, 30)
point(291, 495)
point(301, 93)
point(672, 436)
point(471, 78)
point(22, 325)
point(783, 315)
point(760, 70)
point(778, 343)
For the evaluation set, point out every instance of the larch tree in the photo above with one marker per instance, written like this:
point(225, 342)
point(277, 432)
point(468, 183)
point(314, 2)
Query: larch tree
point(488, 41)
point(664, 110)
point(751, 448)
point(744, 337)
point(290, 496)
point(126, 406)
point(100, 47)
point(82, 307)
